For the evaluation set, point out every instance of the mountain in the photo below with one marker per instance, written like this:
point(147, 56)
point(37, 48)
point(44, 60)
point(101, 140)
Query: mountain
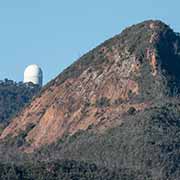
point(126, 72)
point(13, 97)
point(117, 107)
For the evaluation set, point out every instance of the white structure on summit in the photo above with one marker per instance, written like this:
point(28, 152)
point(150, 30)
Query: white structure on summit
point(34, 74)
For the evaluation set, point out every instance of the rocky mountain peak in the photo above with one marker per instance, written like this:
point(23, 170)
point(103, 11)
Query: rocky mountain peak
point(122, 75)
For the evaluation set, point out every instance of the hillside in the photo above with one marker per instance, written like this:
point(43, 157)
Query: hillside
point(147, 143)
point(117, 106)
point(13, 97)
point(124, 72)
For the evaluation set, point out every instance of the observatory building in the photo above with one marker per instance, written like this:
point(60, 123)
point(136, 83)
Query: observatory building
point(34, 74)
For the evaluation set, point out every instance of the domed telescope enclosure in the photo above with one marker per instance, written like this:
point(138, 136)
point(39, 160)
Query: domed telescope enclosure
point(33, 73)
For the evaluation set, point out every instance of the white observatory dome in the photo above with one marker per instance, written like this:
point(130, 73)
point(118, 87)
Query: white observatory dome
point(34, 74)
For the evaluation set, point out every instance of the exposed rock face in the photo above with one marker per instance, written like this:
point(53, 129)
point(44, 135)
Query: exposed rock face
point(130, 70)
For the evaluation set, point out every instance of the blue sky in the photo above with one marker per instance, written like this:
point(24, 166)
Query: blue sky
point(54, 33)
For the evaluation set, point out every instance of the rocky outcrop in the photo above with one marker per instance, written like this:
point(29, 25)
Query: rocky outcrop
point(97, 91)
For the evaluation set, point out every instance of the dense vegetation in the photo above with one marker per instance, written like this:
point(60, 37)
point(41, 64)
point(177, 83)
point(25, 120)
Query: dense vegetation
point(13, 97)
point(59, 170)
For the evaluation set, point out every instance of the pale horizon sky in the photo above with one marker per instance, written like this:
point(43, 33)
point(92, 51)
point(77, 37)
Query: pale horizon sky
point(55, 33)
